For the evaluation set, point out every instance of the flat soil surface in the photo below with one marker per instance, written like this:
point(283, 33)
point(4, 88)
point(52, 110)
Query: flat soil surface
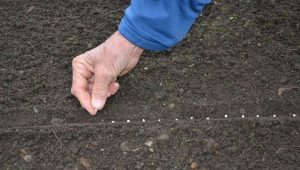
point(240, 58)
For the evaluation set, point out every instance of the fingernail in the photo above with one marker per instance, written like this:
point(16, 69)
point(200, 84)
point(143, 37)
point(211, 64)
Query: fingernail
point(116, 84)
point(98, 104)
point(94, 113)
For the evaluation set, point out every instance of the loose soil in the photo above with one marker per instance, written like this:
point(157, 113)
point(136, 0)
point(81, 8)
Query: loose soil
point(240, 58)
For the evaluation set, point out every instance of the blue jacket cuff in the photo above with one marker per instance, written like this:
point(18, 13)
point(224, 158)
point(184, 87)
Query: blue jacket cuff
point(133, 37)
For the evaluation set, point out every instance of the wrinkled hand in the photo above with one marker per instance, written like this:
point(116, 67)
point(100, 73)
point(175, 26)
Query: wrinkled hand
point(95, 72)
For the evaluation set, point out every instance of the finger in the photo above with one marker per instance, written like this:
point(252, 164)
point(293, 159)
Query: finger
point(113, 88)
point(85, 100)
point(100, 88)
point(79, 88)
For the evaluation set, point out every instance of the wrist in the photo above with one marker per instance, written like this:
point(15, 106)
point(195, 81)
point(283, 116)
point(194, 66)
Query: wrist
point(126, 43)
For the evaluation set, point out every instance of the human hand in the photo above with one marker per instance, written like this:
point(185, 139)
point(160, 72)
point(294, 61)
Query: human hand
point(95, 72)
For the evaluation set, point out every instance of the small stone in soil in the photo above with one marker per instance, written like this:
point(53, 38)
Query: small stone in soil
point(35, 109)
point(56, 121)
point(171, 105)
point(139, 165)
point(149, 143)
point(194, 165)
point(30, 9)
point(85, 163)
point(163, 137)
point(124, 146)
point(27, 158)
point(210, 146)
point(280, 91)
point(242, 111)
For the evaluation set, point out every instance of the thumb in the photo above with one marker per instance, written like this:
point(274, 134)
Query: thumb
point(100, 90)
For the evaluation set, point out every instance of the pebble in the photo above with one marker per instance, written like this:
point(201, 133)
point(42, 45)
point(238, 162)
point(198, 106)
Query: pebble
point(139, 165)
point(242, 111)
point(129, 147)
point(57, 121)
point(171, 105)
point(149, 143)
point(30, 9)
point(210, 146)
point(27, 158)
point(124, 146)
point(194, 165)
point(85, 163)
point(35, 109)
point(280, 91)
point(163, 137)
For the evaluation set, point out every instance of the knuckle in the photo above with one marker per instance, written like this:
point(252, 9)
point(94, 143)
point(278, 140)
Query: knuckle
point(104, 72)
point(78, 60)
point(75, 59)
point(99, 91)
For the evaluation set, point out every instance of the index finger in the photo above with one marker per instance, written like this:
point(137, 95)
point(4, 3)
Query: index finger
point(80, 91)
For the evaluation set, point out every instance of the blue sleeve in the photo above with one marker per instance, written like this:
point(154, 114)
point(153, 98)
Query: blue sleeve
point(159, 24)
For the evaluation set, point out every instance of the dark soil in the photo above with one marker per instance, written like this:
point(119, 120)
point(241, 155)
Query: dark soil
point(240, 58)
point(211, 144)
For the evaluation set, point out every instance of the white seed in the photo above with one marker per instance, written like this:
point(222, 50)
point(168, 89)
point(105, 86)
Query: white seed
point(274, 115)
point(159, 120)
point(207, 118)
point(192, 118)
point(112, 121)
point(128, 121)
point(176, 119)
point(243, 116)
point(294, 115)
point(143, 120)
point(225, 116)
point(257, 115)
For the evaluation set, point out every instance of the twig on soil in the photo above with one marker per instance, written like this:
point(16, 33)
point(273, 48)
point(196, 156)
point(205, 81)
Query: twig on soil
point(283, 89)
point(58, 139)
